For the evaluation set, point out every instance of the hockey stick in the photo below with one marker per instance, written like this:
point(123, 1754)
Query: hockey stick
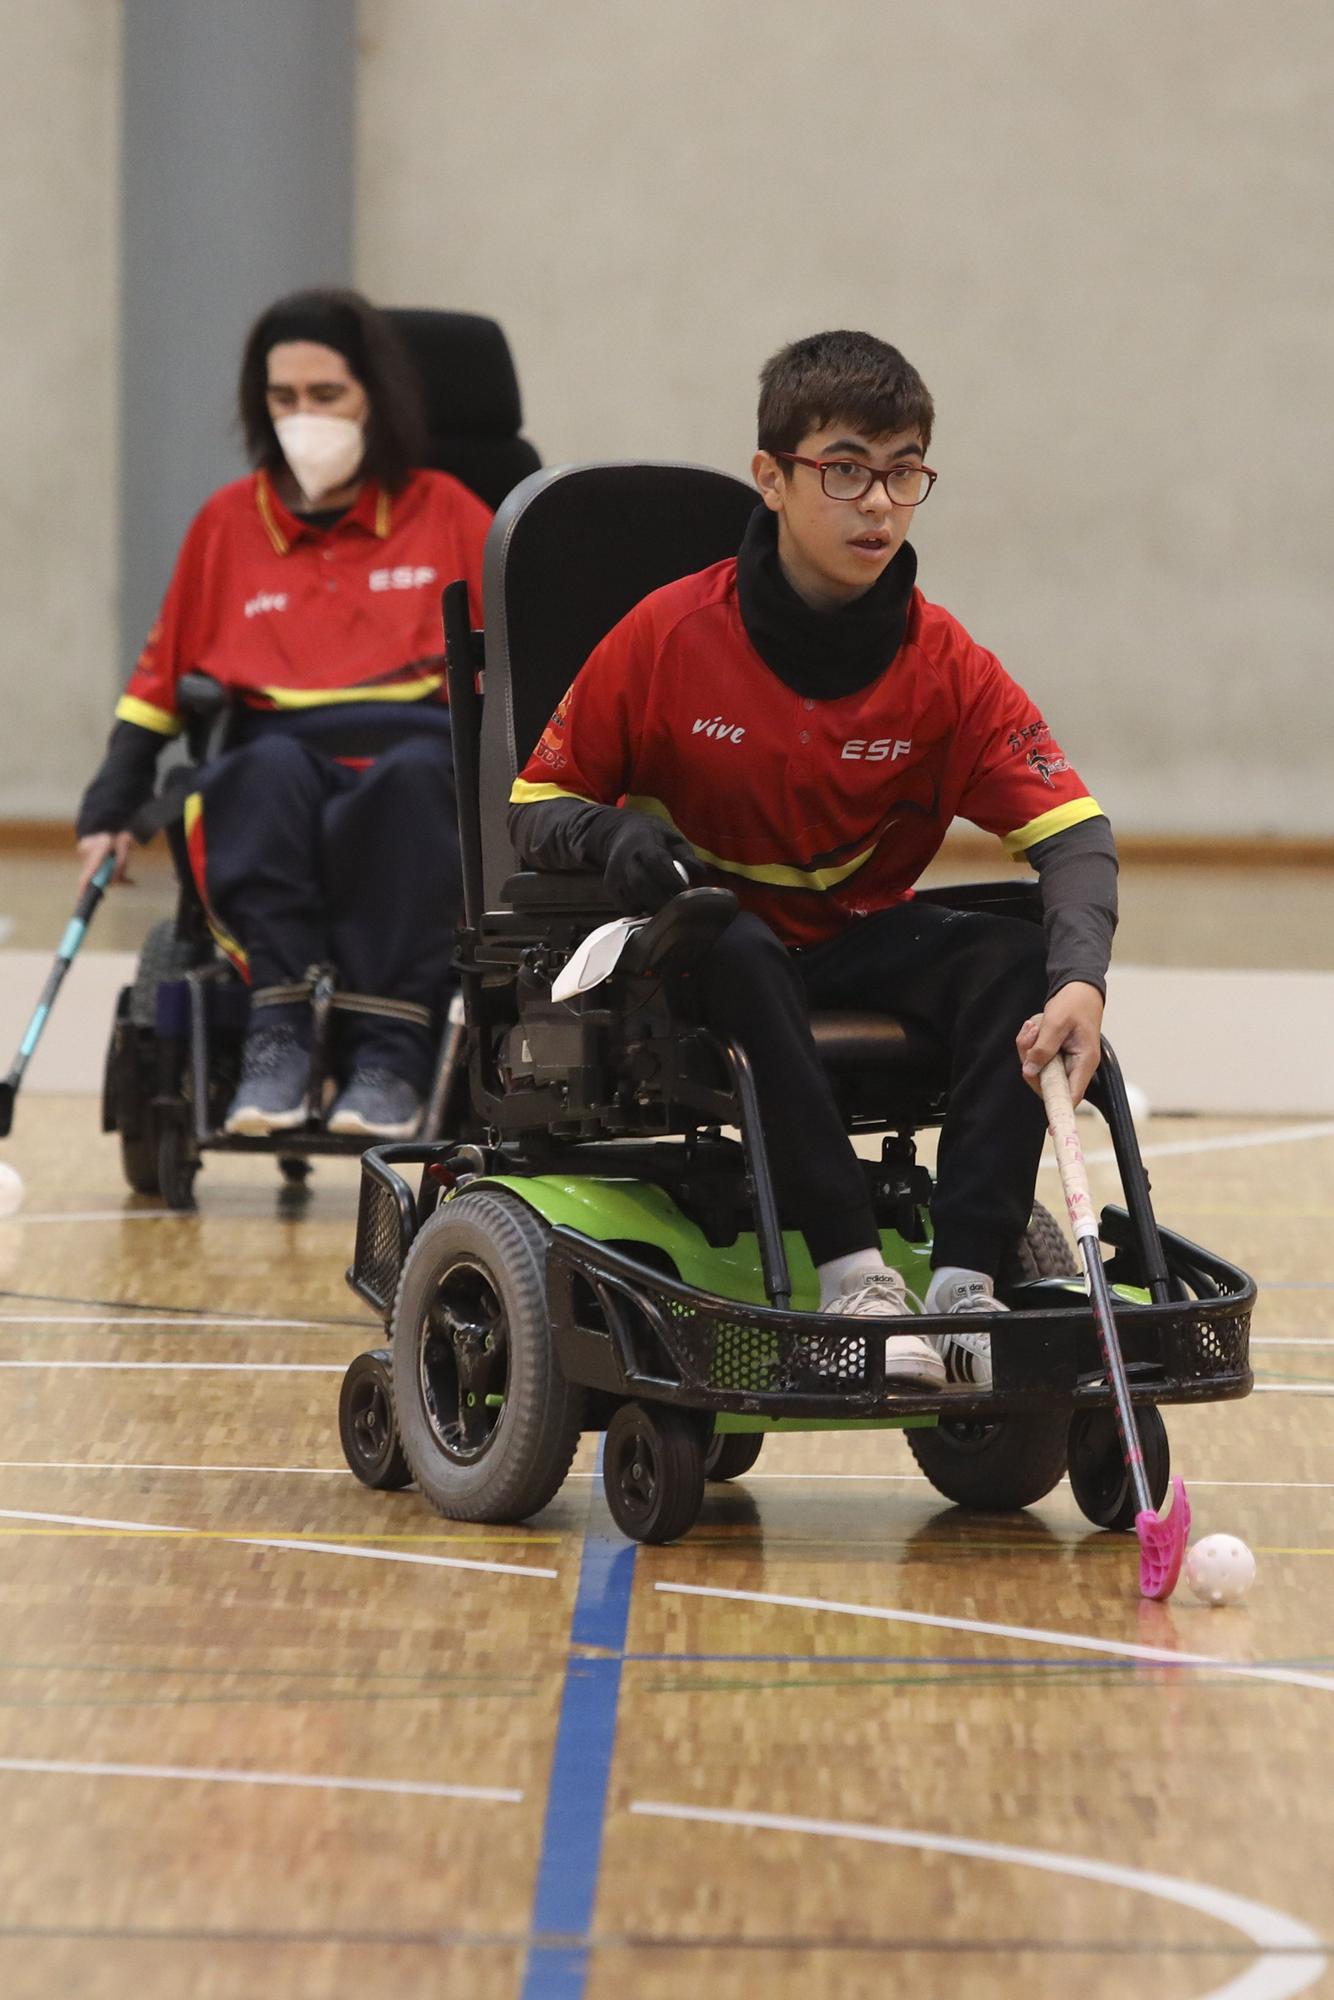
point(75, 931)
point(1162, 1537)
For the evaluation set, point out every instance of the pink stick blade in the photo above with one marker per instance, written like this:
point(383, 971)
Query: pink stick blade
point(1162, 1544)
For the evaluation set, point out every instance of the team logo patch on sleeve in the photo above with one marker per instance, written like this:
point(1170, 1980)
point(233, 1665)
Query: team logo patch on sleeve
point(1046, 763)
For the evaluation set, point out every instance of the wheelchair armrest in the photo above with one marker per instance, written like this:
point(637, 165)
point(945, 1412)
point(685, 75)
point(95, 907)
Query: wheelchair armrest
point(682, 931)
point(167, 804)
point(557, 893)
point(204, 703)
point(997, 899)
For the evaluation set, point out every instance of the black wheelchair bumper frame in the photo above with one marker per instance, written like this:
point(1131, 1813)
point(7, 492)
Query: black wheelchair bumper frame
point(621, 1327)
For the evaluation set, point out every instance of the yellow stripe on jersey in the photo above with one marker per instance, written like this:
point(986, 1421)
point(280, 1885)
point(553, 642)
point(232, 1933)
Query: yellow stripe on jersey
point(524, 794)
point(778, 874)
point(264, 503)
point(1048, 823)
point(194, 807)
point(325, 697)
point(160, 720)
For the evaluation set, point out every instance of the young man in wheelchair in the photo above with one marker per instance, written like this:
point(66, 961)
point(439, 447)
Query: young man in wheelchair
point(326, 832)
point(802, 725)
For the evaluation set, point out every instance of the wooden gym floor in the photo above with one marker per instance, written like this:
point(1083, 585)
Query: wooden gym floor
point(264, 1733)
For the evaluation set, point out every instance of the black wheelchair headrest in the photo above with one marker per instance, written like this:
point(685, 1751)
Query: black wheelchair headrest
point(471, 398)
point(572, 550)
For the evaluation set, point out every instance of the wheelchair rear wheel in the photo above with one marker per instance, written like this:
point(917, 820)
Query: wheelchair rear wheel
point(1020, 1458)
point(487, 1421)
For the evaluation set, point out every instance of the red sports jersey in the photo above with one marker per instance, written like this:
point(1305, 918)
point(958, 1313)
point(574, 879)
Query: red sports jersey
point(297, 617)
point(814, 812)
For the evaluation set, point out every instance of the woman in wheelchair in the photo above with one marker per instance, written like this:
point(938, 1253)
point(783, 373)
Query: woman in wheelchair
point(325, 834)
point(802, 725)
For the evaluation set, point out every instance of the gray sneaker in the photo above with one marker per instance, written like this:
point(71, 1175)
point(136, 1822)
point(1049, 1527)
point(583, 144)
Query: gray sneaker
point(376, 1104)
point(883, 1295)
point(274, 1092)
point(967, 1356)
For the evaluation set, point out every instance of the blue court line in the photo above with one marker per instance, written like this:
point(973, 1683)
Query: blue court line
point(571, 1855)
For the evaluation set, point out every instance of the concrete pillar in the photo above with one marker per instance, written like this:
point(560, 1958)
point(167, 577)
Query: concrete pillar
point(237, 175)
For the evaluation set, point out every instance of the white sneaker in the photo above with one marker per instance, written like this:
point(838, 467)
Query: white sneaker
point(967, 1356)
point(883, 1295)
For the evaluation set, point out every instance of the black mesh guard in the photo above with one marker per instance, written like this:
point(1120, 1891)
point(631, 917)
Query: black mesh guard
point(386, 1223)
point(664, 1339)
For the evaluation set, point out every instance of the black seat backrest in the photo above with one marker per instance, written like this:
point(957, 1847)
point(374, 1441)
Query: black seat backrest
point(471, 394)
point(571, 551)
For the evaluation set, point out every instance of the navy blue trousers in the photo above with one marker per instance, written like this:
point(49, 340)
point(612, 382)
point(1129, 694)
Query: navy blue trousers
point(307, 862)
point(971, 979)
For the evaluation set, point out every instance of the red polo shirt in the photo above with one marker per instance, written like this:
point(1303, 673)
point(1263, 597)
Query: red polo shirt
point(814, 812)
point(293, 616)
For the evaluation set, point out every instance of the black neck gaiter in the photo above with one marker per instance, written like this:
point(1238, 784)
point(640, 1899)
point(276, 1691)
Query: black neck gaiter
point(823, 654)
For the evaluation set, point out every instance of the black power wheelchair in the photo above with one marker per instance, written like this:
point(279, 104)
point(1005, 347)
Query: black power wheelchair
point(174, 1055)
point(587, 1246)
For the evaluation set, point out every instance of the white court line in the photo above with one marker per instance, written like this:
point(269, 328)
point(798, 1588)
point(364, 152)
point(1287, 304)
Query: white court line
point(403, 1787)
point(275, 1542)
point(1292, 1389)
point(1237, 1142)
point(112, 1318)
point(195, 1367)
point(1159, 1656)
point(1270, 1978)
point(104, 1465)
point(22, 1220)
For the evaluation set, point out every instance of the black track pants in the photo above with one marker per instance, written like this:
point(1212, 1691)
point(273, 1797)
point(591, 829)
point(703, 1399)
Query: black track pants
point(971, 979)
point(306, 862)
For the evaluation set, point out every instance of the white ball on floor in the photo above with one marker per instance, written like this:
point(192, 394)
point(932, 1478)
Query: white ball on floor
point(12, 1190)
point(1220, 1569)
point(1138, 1102)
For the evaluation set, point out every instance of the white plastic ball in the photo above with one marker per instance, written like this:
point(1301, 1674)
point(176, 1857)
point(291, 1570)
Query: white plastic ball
point(1220, 1569)
point(12, 1190)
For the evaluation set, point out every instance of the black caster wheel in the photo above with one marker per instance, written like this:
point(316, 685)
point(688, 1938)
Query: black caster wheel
point(177, 1165)
point(138, 1161)
point(366, 1426)
point(653, 1471)
point(295, 1170)
point(1098, 1476)
point(993, 1467)
point(732, 1455)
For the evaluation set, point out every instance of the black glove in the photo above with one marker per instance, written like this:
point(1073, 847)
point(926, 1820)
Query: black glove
point(642, 870)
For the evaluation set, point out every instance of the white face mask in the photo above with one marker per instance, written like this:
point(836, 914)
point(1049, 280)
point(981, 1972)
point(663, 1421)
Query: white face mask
point(323, 451)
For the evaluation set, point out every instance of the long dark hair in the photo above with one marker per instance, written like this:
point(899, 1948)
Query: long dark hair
point(345, 321)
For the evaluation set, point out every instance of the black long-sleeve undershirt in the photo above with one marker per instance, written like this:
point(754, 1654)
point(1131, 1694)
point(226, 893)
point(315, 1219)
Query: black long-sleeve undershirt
point(1076, 869)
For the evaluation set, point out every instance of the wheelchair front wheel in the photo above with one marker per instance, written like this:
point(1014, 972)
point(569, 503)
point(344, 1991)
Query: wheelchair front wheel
point(366, 1427)
point(653, 1471)
point(487, 1421)
point(732, 1455)
point(1098, 1476)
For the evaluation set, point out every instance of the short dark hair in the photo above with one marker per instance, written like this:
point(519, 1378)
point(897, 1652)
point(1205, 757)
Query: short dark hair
point(369, 343)
point(833, 376)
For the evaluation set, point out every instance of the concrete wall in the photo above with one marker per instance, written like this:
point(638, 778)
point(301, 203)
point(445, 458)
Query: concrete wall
point(59, 247)
point(1101, 231)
